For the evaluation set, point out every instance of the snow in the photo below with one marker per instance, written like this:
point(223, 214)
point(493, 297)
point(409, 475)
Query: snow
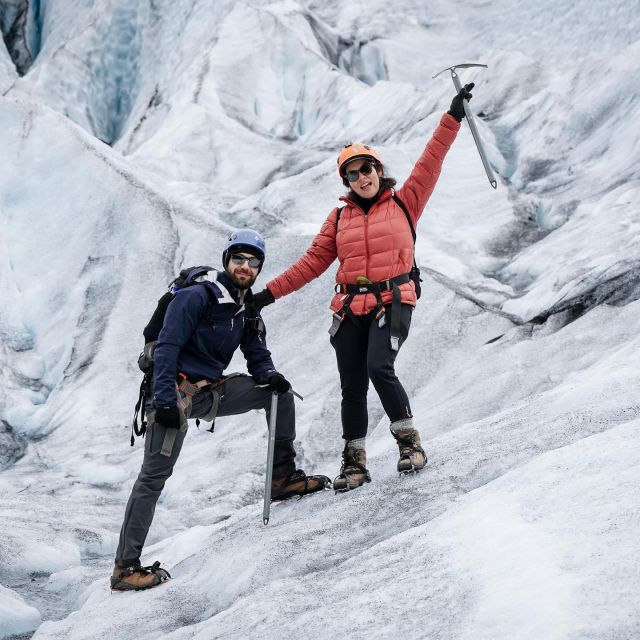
point(142, 133)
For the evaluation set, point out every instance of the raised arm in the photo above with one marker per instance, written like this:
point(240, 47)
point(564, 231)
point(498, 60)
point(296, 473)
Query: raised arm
point(417, 190)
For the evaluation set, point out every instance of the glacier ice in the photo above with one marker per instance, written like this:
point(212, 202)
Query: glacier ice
point(140, 133)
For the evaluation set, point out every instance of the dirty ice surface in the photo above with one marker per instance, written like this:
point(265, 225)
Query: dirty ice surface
point(141, 133)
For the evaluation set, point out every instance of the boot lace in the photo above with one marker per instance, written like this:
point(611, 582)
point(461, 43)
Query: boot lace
point(129, 571)
point(407, 445)
point(350, 465)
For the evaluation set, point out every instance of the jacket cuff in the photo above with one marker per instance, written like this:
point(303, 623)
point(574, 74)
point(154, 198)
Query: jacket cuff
point(158, 404)
point(264, 376)
point(449, 121)
point(270, 291)
point(273, 289)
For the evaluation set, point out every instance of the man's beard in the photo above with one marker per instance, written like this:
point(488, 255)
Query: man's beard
point(243, 285)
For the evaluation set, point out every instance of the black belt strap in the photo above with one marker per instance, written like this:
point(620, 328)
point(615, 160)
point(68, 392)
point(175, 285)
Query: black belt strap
point(372, 287)
point(140, 409)
point(346, 308)
point(396, 310)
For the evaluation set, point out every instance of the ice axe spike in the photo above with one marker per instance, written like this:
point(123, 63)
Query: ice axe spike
point(470, 119)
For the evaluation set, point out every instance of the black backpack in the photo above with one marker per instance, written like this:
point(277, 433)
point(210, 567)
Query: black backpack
point(414, 274)
point(186, 278)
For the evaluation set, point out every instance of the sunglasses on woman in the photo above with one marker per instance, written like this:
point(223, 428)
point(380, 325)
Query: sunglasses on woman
point(365, 170)
point(239, 259)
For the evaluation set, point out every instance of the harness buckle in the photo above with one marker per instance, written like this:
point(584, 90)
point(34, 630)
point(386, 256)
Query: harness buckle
point(335, 324)
point(190, 389)
point(395, 343)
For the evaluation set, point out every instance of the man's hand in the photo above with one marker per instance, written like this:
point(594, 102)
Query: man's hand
point(277, 382)
point(260, 300)
point(168, 417)
point(457, 104)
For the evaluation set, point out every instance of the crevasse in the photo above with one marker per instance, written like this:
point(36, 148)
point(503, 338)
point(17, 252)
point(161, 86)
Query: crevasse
point(114, 74)
point(21, 24)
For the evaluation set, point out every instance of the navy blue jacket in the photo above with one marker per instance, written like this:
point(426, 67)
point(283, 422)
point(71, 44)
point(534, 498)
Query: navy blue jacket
point(199, 338)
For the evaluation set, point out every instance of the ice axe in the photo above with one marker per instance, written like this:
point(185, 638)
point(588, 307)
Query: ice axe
point(266, 511)
point(472, 123)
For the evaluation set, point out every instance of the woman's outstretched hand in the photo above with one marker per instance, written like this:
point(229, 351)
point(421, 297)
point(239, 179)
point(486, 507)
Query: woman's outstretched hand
point(457, 104)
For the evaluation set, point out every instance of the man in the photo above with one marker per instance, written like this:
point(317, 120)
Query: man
point(203, 326)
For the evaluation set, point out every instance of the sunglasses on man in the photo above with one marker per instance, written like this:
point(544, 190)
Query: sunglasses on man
point(365, 170)
point(239, 259)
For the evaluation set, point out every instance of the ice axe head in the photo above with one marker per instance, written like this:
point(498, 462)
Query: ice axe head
point(464, 65)
point(470, 120)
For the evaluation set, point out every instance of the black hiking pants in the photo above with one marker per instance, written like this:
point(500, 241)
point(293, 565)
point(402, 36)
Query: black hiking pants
point(238, 394)
point(364, 353)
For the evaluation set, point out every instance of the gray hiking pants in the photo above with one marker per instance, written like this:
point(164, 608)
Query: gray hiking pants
point(236, 395)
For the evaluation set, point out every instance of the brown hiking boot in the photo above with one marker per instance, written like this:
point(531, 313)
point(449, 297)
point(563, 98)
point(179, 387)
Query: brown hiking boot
point(353, 472)
point(412, 455)
point(137, 578)
point(297, 483)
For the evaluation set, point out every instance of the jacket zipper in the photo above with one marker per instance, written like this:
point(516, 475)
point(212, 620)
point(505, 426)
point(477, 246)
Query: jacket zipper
point(366, 243)
point(366, 249)
point(233, 317)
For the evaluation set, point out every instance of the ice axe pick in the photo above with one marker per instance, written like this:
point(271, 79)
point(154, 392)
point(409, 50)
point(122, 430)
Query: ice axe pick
point(470, 119)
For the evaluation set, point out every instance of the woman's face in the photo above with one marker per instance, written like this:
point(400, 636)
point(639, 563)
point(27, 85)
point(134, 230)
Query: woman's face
point(363, 177)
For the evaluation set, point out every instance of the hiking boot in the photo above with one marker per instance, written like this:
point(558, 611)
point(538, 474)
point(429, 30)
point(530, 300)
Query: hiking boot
point(297, 483)
point(412, 455)
point(353, 472)
point(137, 578)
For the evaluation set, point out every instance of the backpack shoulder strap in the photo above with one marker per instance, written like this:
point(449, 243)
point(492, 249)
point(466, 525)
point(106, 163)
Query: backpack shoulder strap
point(401, 204)
point(406, 213)
point(338, 214)
point(212, 300)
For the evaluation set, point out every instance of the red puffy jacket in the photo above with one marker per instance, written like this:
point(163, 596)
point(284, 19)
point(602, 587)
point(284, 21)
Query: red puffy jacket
point(377, 245)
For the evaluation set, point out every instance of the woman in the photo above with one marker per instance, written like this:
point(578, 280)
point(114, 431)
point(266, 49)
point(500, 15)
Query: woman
point(372, 236)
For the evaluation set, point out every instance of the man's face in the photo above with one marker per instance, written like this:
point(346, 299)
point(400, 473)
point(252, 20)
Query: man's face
point(242, 274)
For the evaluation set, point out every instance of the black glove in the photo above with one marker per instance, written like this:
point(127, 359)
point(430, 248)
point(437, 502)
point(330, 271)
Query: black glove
point(261, 299)
point(277, 382)
point(168, 417)
point(457, 105)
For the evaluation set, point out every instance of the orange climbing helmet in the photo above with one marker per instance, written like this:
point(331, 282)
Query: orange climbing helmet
point(355, 151)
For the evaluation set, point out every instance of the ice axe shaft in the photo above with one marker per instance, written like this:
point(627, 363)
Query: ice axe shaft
point(266, 511)
point(474, 132)
point(471, 120)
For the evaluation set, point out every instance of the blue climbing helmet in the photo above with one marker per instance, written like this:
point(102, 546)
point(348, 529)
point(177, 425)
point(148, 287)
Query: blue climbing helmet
point(244, 240)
